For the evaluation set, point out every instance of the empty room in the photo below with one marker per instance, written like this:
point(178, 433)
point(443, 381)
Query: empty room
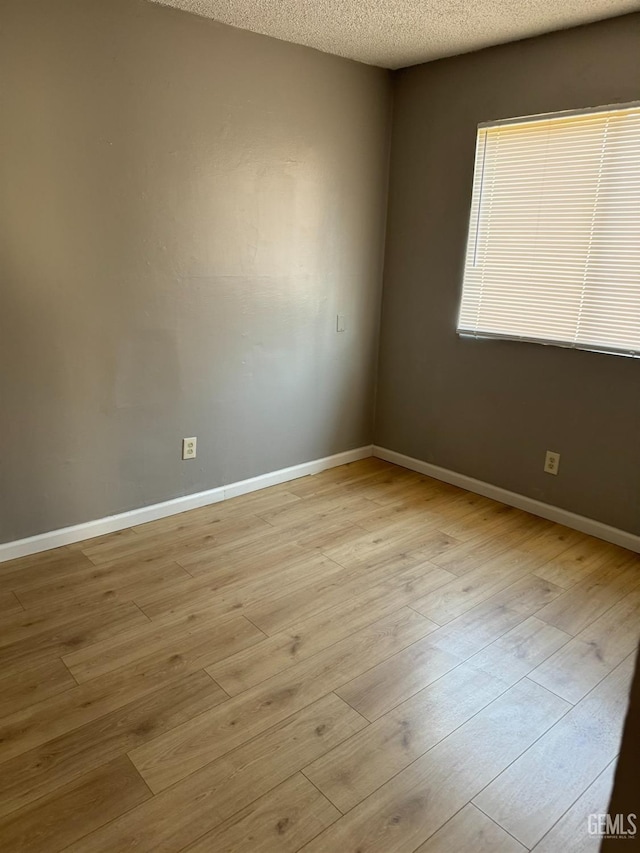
point(320, 407)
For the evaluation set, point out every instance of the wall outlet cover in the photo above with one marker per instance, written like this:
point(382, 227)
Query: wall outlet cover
point(189, 447)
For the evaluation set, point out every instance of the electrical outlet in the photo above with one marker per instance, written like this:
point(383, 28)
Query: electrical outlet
point(189, 447)
point(551, 462)
point(340, 323)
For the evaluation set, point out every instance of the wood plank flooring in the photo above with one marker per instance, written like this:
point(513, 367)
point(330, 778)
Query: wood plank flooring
point(362, 660)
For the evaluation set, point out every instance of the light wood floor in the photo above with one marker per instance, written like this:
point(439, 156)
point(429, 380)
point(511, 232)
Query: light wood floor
point(361, 661)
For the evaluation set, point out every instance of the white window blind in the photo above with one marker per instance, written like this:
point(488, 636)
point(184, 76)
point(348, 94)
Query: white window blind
point(553, 252)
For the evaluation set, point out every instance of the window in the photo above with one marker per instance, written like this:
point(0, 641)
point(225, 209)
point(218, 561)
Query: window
point(553, 252)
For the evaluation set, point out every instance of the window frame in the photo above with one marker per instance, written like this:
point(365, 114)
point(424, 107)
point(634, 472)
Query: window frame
point(472, 232)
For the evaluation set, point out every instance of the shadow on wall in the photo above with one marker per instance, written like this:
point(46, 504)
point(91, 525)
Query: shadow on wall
point(57, 282)
point(185, 208)
point(31, 364)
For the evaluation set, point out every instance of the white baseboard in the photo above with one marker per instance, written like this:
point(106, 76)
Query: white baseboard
point(553, 513)
point(89, 529)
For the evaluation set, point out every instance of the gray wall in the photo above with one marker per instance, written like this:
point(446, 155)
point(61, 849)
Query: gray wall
point(491, 409)
point(184, 209)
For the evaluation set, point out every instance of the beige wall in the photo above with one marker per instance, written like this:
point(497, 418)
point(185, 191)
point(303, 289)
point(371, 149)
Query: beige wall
point(184, 209)
point(490, 409)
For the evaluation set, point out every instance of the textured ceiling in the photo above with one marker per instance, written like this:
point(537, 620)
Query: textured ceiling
point(395, 33)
